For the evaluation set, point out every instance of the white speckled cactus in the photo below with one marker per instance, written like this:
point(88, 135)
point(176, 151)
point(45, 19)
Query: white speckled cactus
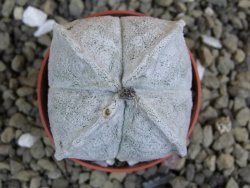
point(119, 88)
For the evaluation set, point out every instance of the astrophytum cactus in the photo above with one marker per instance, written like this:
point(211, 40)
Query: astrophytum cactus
point(119, 88)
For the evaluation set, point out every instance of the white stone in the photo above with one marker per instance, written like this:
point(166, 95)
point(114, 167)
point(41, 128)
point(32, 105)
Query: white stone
point(18, 13)
point(211, 41)
point(45, 28)
point(209, 11)
point(201, 69)
point(34, 17)
point(27, 140)
point(110, 162)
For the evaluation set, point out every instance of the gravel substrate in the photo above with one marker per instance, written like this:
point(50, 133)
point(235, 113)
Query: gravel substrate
point(218, 150)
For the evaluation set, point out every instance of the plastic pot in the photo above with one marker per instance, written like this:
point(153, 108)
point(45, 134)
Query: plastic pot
point(42, 94)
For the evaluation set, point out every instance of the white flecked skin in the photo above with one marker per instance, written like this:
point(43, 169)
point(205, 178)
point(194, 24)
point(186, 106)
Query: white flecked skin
point(91, 60)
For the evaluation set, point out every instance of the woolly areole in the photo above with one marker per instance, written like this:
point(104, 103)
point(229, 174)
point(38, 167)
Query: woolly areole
point(119, 88)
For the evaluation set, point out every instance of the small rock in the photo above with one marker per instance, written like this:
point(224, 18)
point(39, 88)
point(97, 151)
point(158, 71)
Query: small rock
point(242, 117)
point(221, 102)
point(83, 177)
point(108, 184)
point(190, 172)
point(15, 166)
point(222, 3)
point(241, 155)
point(118, 176)
point(223, 125)
point(197, 135)
point(4, 166)
point(225, 65)
point(76, 8)
point(23, 105)
point(130, 181)
point(37, 150)
point(8, 7)
point(244, 174)
point(2, 66)
point(208, 136)
point(211, 41)
point(225, 161)
point(60, 183)
point(193, 150)
point(18, 13)
point(241, 134)
point(244, 4)
point(201, 69)
point(4, 40)
point(211, 81)
point(34, 17)
point(199, 178)
point(217, 28)
point(8, 135)
point(17, 63)
point(209, 11)
point(24, 91)
point(35, 182)
point(5, 149)
point(206, 56)
point(45, 28)
point(18, 121)
point(208, 114)
point(224, 141)
point(98, 178)
point(164, 3)
point(27, 140)
point(239, 56)
point(46, 164)
point(49, 7)
point(148, 173)
point(210, 162)
point(231, 42)
point(55, 174)
point(232, 183)
point(44, 40)
point(25, 175)
point(179, 182)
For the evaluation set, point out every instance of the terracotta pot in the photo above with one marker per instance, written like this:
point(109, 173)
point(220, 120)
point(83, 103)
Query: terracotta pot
point(42, 94)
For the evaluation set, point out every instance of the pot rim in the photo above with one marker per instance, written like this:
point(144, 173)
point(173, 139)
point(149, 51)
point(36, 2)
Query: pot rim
point(143, 165)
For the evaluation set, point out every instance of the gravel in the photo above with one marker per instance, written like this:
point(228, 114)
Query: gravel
point(217, 33)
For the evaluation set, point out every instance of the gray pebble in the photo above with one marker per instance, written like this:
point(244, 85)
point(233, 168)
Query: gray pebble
point(244, 174)
point(190, 172)
point(118, 176)
point(98, 178)
point(241, 155)
point(208, 136)
point(35, 182)
point(8, 7)
point(232, 183)
point(244, 3)
point(46, 164)
point(83, 177)
point(17, 63)
point(15, 166)
point(24, 91)
point(49, 7)
point(197, 135)
point(18, 120)
point(193, 150)
point(242, 117)
point(231, 42)
point(221, 102)
point(241, 134)
point(210, 162)
point(224, 141)
point(60, 183)
point(239, 56)
point(225, 161)
point(206, 57)
point(7, 135)
point(4, 149)
point(2, 67)
point(23, 105)
point(76, 8)
point(25, 175)
point(4, 40)
point(164, 3)
point(179, 182)
point(18, 13)
point(225, 65)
